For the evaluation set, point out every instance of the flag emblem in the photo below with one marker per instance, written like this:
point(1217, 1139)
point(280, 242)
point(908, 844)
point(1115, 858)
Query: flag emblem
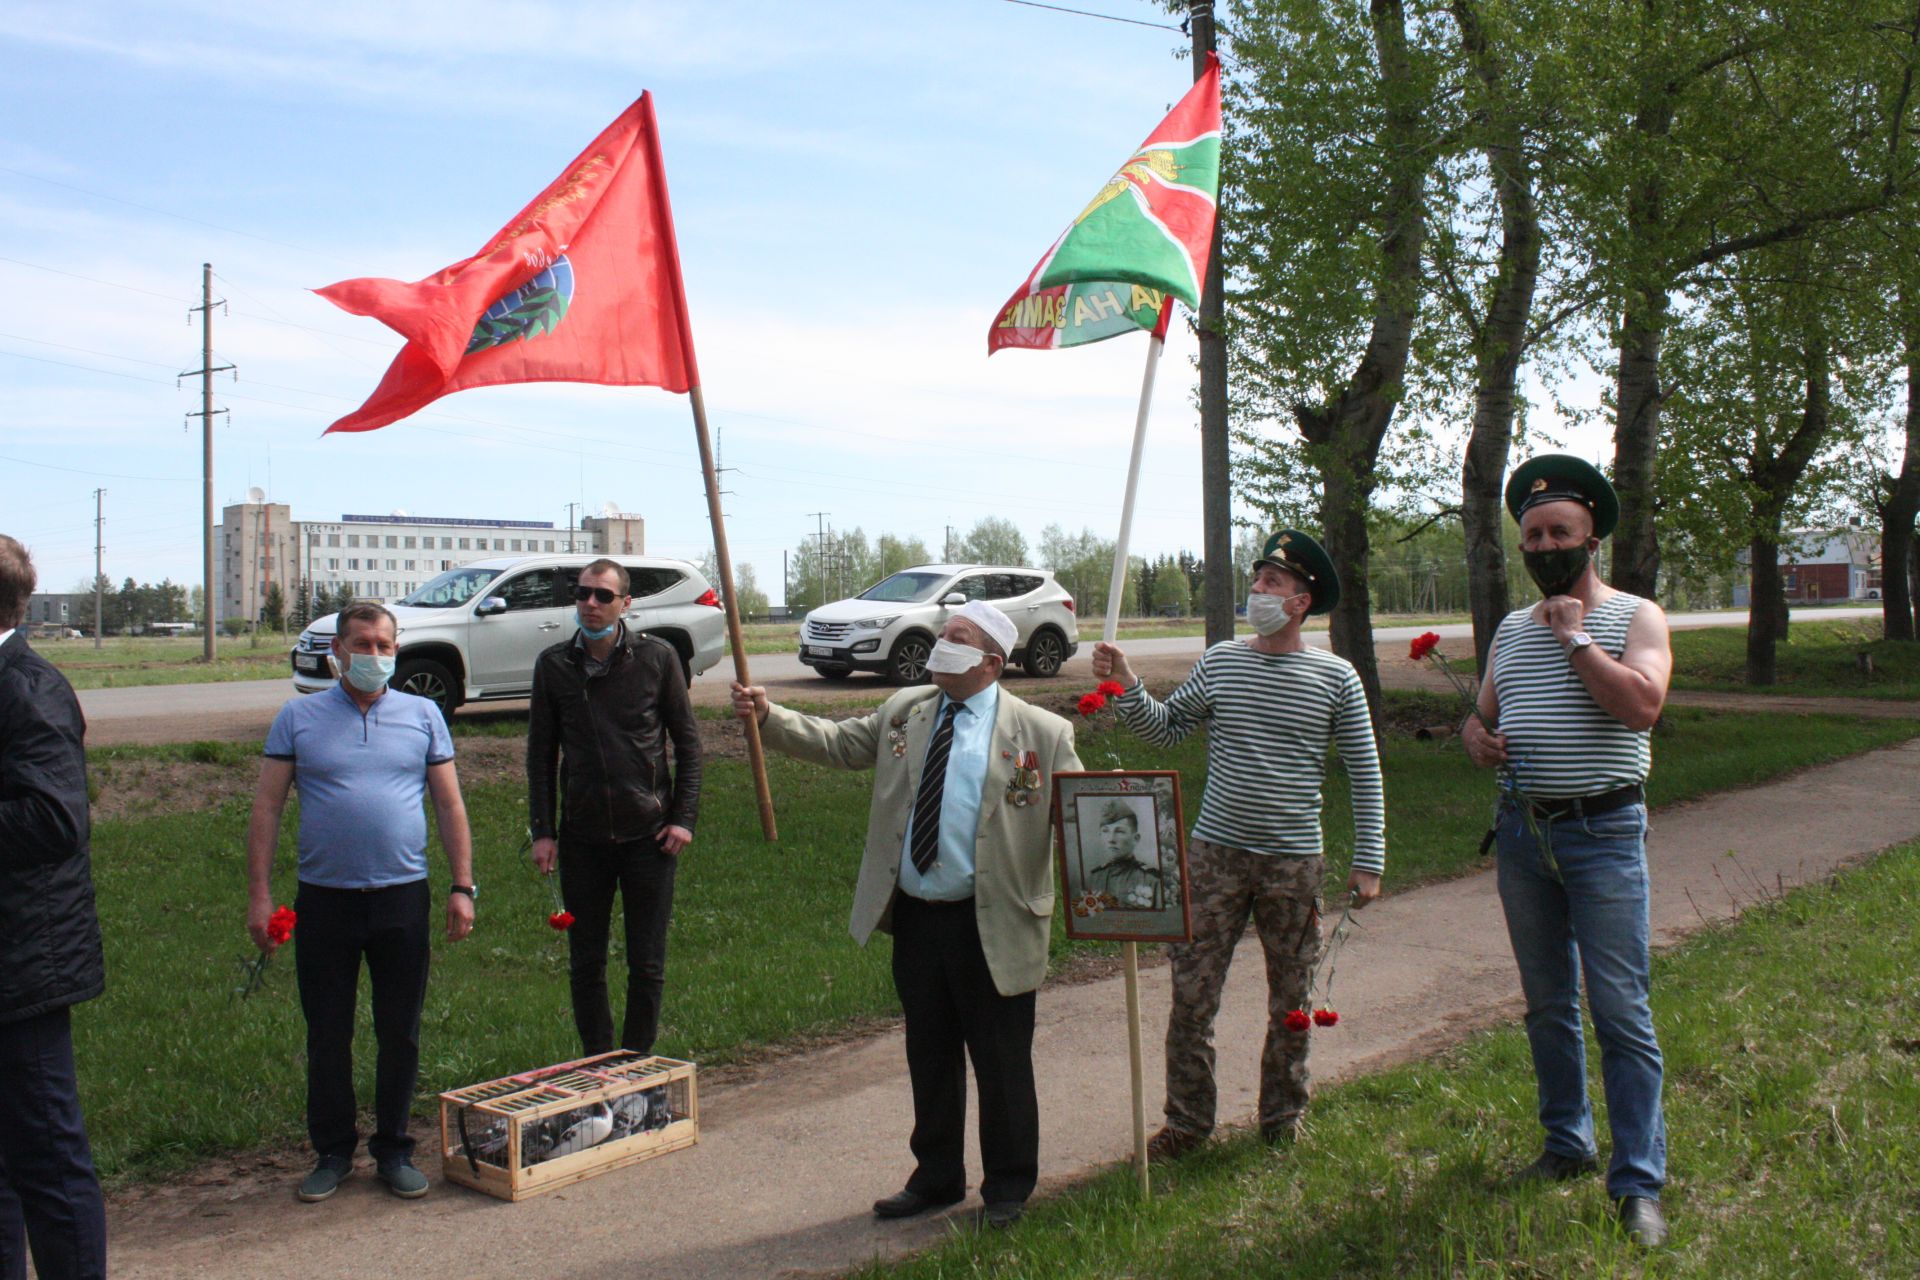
point(536, 307)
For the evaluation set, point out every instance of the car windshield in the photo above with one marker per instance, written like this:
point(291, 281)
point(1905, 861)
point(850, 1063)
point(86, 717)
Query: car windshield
point(454, 587)
point(905, 588)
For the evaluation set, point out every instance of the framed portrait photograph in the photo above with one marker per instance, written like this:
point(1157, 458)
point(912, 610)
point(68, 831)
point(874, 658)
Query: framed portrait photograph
point(1123, 855)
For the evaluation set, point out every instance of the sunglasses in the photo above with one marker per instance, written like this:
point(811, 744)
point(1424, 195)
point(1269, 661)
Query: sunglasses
point(602, 594)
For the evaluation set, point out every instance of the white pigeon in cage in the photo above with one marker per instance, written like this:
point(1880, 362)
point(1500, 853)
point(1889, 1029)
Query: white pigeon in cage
point(590, 1131)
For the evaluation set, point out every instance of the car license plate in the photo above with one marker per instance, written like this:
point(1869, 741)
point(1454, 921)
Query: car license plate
point(819, 651)
point(309, 662)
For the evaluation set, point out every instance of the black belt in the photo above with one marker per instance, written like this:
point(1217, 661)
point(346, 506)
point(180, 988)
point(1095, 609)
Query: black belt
point(1557, 807)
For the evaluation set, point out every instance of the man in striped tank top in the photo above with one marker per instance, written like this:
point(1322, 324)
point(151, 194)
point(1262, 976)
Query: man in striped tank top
point(1272, 706)
point(1575, 684)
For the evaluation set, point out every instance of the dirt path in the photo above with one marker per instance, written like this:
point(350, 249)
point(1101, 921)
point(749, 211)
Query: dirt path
point(789, 1160)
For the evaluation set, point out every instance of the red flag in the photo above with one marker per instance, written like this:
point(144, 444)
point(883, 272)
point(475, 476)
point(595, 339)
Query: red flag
point(583, 285)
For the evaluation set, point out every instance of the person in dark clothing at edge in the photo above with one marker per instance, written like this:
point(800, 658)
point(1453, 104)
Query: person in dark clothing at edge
point(604, 705)
point(50, 957)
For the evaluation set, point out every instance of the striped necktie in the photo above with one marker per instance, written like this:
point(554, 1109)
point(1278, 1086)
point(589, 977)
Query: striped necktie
point(925, 845)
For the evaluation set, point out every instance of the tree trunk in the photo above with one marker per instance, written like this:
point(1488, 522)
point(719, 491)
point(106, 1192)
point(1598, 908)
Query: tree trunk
point(1350, 428)
point(1766, 611)
point(1500, 342)
point(1636, 438)
point(1773, 481)
point(1897, 516)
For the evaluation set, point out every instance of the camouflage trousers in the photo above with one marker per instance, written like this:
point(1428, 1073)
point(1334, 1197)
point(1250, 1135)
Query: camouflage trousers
point(1282, 896)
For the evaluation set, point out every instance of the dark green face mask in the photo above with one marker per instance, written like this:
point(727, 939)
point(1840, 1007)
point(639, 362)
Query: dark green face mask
point(1555, 572)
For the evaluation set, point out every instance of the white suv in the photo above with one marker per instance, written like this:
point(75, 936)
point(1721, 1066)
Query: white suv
point(472, 634)
point(890, 627)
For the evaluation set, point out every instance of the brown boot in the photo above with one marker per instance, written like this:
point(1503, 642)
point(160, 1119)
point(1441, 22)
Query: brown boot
point(1171, 1143)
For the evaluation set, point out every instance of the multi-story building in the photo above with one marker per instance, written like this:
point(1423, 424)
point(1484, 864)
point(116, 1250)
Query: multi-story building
point(260, 545)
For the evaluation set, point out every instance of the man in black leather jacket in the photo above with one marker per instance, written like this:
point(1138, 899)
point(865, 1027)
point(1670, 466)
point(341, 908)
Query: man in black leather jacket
point(49, 956)
point(605, 704)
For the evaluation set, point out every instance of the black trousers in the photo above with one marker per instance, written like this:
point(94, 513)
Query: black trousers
point(49, 1195)
point(338, 927)
point(954, 1012)
point(590, 872)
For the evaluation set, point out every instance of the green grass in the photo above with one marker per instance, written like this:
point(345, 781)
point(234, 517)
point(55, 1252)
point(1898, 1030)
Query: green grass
point(126, 661)
point(1819, 659)
point(1793, 1113)
point(174, 1071)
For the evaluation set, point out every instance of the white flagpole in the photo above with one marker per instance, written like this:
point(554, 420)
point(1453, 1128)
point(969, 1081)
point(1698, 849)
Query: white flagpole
point(1116, 593)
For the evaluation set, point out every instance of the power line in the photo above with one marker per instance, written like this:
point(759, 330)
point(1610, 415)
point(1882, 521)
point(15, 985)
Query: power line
point(1106, 17)
point(168, 213)
point(108, 475)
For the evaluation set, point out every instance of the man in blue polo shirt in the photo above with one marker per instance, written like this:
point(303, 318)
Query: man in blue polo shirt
point(364, 757)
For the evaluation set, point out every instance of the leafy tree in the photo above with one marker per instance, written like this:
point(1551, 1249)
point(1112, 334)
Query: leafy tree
point(994, 540)
point(894, 554)
point(273, 612)
point(746, 591)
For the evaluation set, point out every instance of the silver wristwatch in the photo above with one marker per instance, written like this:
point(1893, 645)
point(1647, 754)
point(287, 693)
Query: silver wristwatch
point(1577, 641)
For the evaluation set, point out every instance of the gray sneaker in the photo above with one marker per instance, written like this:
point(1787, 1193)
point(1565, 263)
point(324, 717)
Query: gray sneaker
point(325, 1178)
point(403, 1179)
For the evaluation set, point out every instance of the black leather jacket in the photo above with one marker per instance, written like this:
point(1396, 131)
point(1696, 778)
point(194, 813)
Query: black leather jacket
point(49, 934)
point(612, 731)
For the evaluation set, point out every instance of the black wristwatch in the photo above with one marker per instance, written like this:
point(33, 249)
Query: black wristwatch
point(471, 890)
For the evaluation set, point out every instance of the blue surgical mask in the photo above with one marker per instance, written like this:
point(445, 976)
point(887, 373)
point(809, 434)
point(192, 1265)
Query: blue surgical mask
point(602, 633)
point(369, 672)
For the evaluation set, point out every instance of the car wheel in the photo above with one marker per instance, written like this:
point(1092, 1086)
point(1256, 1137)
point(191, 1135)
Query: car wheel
point(1045, 652)
point(908, 662)
point(833, 672)
point(427, 679)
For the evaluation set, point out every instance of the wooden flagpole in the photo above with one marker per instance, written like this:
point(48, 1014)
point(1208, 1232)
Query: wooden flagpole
point(756, 757)
point(1116, 593)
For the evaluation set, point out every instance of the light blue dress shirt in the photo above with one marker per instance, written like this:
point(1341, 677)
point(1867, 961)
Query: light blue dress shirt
point(950, 878)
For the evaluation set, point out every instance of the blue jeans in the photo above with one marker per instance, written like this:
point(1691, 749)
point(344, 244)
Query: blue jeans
point(1588, 919)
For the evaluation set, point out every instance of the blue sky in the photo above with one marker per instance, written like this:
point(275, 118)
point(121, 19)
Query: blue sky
point(857, 188)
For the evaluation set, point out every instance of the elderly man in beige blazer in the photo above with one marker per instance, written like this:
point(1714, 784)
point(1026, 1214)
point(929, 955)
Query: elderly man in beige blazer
point(958, 868)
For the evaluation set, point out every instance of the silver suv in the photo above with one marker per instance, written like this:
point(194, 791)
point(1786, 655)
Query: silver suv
point(472, 634)
point(890, 627)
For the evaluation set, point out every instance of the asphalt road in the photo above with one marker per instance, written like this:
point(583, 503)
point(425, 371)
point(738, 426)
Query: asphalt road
point(241, 710)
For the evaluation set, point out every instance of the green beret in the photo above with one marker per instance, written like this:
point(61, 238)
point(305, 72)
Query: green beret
point(1561, 477)
point(1295, 552)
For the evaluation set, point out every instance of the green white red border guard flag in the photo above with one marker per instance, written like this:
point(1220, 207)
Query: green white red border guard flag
point(582, 285)
point(1144, 239)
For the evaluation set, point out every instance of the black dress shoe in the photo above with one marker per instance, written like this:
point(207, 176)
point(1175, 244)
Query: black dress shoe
point(1002, 1214)
point(907, 1204)
point(1643, 1222)
point(1554, 1167)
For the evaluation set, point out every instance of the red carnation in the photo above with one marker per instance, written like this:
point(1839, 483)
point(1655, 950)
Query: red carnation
point(1297, 1020)
point(1325, 1017)
point(1110, 689)
point(1092, 702)
point(280, 925)
point(561, 920)
point(1423, 644)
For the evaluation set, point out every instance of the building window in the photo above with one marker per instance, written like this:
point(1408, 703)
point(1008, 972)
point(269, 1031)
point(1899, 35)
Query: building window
point(409, 544)
point(333, 539)
point(353, 563)
point(549, 544)
point(333, 566)
point(353, 539)
point(466, 544)
point(393, 564)
point(516, 544)
point(446, 544)
point(410, 564)
point(392, 541)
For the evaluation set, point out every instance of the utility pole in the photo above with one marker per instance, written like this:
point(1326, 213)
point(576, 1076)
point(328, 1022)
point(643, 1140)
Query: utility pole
point(949, 544)
point(206, 371)
point(1216, 481)
point(571, 508)
point(99, 528)
point(820, 520)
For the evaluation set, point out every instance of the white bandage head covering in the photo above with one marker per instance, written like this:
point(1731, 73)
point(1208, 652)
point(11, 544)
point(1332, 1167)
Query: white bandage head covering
point(992, 621)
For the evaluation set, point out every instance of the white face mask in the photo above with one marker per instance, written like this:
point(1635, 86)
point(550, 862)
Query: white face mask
point(1268, 614)
point(369, 672)
point(950, 659)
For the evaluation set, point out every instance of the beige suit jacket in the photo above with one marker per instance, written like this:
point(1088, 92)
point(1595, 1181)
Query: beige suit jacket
point(1013, 858)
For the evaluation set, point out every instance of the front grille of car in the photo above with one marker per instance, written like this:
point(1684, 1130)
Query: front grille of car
point(828, 632)
point(311, 643)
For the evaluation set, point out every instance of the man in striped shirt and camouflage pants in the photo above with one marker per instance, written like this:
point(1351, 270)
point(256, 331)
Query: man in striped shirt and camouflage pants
point(1272, 707)
point(1575, 683)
